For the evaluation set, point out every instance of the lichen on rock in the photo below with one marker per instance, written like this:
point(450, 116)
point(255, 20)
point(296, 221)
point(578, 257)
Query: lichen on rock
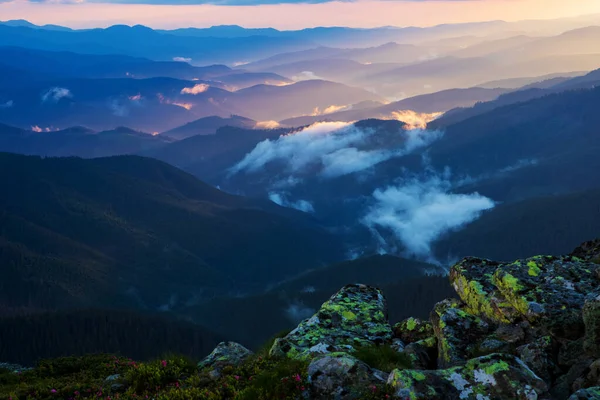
point(456, 331)
point(355, 316)
point(497, 376)
point(224, 355)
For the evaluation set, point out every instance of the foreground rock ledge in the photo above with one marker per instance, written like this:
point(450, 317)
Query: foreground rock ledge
point(527, 330)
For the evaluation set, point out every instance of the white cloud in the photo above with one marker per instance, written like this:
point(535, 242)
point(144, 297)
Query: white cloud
point(55, 94)
point(419, 211)
point(196, 89)
point(281, 200)
point(182, 59)
point(8, 104)
point(335, 148)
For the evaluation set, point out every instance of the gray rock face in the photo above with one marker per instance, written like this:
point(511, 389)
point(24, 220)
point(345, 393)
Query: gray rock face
point(457, 332)
point(353, 317)
point(586, 394)
point(497, 376)
point(340, 376)
point(225, 354)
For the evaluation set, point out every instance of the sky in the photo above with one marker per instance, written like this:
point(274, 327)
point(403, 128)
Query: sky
point(286, 14)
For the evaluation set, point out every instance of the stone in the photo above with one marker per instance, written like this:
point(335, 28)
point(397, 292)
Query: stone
point(423, 354)
point(592, 393)
point(538, 356)
point(591, 320)
point(224, 355)
point(497, 376)
point(341, 376)
point(355, 316)
point(547, 291)
point(589, 251)
point(457, 332)
point(412, 330)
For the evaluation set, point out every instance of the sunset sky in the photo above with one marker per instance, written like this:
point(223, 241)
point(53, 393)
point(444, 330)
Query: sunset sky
point(286, 14)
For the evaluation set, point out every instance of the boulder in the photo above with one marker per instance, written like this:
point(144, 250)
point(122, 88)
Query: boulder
point(497, 376)
point(457, 332)
point(224, 355)
point(589, 251)
point(341, 376)
point(353, 317)
point(412, 330)
point(547, 291)
point(592, 393)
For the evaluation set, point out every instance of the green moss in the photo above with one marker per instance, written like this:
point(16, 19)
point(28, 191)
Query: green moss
point(497, 367)
point(534, 269)
point(411, 324)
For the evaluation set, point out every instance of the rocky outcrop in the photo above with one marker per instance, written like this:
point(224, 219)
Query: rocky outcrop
point(528, 329)
point(412, 330)
point(341, 376)
point(224, 355)
point(353, 317)
point(497, 376)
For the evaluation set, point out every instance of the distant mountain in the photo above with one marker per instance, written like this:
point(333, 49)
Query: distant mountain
point(264, 102)
point(209, 126)
point(556, 151)
point(65, 64)
point(542, 225)
point(161, 104)
point(27, 24)
point(209, 156)
point(407, 290)
point(427, 103)
point(529, 92)
point(242, 80)
point(78, 141)
point(132, 232)
point(537, 81)
point(141, 41)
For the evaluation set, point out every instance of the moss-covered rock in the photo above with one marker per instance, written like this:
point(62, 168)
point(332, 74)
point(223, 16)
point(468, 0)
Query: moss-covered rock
point(353, 317)
point(412, 330)
point(589, 251)
point(341, 376)
point(226, 354)
point(423, 354)
point(491, 377)
point(472, 278)
point(547, 291)
point(457, 332)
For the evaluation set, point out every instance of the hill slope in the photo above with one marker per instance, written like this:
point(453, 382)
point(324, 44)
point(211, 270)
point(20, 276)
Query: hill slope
point(135, 232)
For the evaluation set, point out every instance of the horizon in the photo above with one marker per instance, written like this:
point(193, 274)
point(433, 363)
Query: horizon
point(289, 15)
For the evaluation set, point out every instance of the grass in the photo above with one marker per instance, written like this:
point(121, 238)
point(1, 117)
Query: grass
point(383, 358)
point(177, 378)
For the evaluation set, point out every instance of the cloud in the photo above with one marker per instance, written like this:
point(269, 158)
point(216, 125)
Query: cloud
point(8, 104)
point(55, 94)
point(305, 76)
point(267, 125)
point(297, 311)
point(182, 59)
point(197, 89)
point(415, 120)
point(334, 149)
point(301, 205)
point(419, 211)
